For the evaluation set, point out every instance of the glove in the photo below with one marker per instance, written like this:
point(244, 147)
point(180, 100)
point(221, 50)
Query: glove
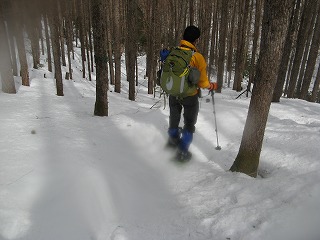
point(213, 86)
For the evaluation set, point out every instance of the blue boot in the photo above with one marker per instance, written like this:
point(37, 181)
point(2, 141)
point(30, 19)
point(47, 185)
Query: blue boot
point(174, 137)
point(185, 141)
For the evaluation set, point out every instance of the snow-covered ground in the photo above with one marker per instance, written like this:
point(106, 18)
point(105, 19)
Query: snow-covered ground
point(66, 174)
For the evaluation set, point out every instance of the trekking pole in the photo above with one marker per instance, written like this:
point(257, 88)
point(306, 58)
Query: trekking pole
point(218, 147)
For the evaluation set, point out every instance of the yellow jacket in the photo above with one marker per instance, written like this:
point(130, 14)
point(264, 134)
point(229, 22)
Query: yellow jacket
point(199, 62)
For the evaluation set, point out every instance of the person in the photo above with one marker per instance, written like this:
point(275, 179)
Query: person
point(182, 138)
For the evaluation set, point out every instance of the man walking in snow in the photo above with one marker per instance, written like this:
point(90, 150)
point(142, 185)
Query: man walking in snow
point(190, 104)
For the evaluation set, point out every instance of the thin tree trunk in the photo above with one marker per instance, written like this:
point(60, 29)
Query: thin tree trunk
point(222, 44)
point(54, 26)
point(191, 12)
point(311, 59)
point(241, 54)
point(284, 65)
point(131, 47)
point(117, 46)
point(305, 57)
point(47, 42)
point(69, 43)
point(11, 36)
point(7, 80)
point(315, 90)
point(82, 36)
point(20, 45)
point(231, 41)
point(301, 40)
point(256, 35)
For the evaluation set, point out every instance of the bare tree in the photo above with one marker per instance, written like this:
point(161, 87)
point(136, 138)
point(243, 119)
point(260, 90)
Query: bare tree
point(32, 27)
point(241, 41)
point(274, 28)
point(81, 28)
point(6, 73)
point(256, 35)
point(68, 35)
point(222, 44)
point(231, 40)
point(301, 42)
point(131, 48)
point(55, 35)
point(20, 44)
point(117, 44)
point(102, 82)
point(46, 29)
point(313, 53)
point(284, 65)
point(315, 90)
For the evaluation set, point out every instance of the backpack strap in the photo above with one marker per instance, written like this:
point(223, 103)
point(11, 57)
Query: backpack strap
point(188, 67)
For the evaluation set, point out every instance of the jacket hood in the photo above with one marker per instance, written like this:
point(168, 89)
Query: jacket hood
point(188, 44)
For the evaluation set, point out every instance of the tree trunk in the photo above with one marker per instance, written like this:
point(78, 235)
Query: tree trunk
point(231, 41)
point(20, 46)
point(241, 41)
point(301, 40)
point(315, 90)
point(7, 80)
point(222, 44)
point(69, 42)
point(99, 28)
point(284, 65)
point(256, 35)
point(45, 17)
point(117, 46)
point(33, 34)
point(82, 36)
point(305, 56)
point(311, 59)
point(11, 37)
point(131, 47)
point(191, 12)
point(274, 28)
point(212, 53)
point(110, 55)
point(54, 26)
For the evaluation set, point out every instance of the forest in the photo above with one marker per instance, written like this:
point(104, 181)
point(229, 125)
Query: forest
point(230, 40)
point(268, 48)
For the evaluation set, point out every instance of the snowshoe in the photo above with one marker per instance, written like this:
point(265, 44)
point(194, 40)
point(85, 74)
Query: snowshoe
point(183, 156)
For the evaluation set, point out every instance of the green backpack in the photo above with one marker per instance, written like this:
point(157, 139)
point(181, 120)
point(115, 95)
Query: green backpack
point(177, 77)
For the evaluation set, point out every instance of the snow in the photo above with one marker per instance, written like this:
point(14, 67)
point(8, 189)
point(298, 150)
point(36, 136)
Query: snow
point(66, 174)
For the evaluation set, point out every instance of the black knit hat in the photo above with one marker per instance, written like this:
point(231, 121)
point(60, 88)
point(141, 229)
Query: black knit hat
point(191, 33)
